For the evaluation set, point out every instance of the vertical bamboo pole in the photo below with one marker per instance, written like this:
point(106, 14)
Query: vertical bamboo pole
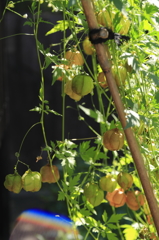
point(133, 145)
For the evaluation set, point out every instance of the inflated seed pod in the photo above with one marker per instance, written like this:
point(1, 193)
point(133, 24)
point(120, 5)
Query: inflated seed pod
point(82, 84)
point(93, 194)
point(13, 182)
point(113, 139)
point(31, 181)
point(49, 174)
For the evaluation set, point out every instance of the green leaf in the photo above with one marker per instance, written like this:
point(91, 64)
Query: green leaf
point(112, 226)
point(69, 144)
point(33, 6)
point(104, 216)
point(130, 233)
point(118, 4)
point(85, 212)
point(111, 236)
point(28, 22)
point(145, 25)
point(61, 26)
point(115, 218)
point(73, 181)
point(84, 146)
point(61, 196)
point(86, 153)
point(94, 114)
point(127, 159)
point(91, 222)
point(54, 112)
point(71, 3)
point(133, 119)
point(52, 145)
point(78, 219)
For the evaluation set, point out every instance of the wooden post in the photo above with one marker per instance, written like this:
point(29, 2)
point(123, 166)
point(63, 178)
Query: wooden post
point(133, 145)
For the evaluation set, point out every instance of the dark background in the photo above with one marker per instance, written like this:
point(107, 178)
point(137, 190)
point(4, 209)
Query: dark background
point(19, 89)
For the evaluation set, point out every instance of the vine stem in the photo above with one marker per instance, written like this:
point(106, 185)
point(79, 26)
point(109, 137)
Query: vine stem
point(17, 34)
point(26, 136)
point(133, 145)
point(42, 80)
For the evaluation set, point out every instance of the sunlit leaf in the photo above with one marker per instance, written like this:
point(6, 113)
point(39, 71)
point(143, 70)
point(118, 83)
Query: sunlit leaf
point(133, 119)
point(130, 233)
point(104, 216)
point(94, 114)
point(91, 221)
point(61, 26)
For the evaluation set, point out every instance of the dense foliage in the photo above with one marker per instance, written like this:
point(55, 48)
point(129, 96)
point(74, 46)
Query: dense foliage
point(104, 197)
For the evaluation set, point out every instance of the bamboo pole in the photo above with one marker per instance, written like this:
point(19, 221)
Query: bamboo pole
point(133, 145)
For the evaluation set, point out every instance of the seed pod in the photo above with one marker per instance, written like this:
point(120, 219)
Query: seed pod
point(93, 194)
point(82, 84)
point(97, 199)
point(13, 182)
point(49, 173)
point(108, 183)
point(88, 47)
point(31, 181)
point(117, 198)
point(135, 199)
point(90, 190)
point(102, 80)
point(74, 57)
point(105, 18)
point(125, 180)
point(68, 90)
point(113, 139)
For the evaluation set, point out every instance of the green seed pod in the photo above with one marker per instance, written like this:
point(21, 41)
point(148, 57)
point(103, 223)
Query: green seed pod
point(125, 180)
point(82, 84)
point(108, 183)
point(13, 182)
point(93, 194)
point(68, 90)
point(31, 181)
point(90, 190)
point(97, 199)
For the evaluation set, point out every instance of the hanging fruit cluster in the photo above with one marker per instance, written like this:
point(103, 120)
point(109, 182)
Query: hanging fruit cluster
point(31, 181)
point(118, 192)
